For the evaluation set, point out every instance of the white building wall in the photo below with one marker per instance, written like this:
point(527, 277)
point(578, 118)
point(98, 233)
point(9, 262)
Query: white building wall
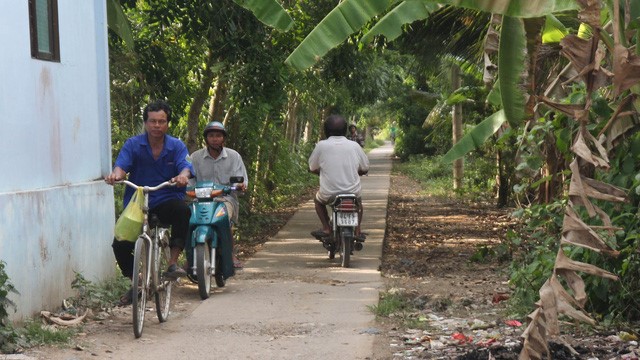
point(56, 214)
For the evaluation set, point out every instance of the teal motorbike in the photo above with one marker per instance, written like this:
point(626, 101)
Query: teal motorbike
point(209, 248)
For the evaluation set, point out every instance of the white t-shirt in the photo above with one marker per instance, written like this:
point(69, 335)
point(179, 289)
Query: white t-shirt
point(339, 160)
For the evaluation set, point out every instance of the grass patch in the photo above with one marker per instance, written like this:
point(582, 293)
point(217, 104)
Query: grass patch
point(397, 306)
point(389, 303)
point(36, 334)
point(434, 176)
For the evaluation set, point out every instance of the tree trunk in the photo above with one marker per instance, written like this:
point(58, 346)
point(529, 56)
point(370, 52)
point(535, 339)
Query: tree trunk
point(456, 119)
point(193, 138)
point(220, 92)
point(259, 162)
point(502, 180)
point(292, 120)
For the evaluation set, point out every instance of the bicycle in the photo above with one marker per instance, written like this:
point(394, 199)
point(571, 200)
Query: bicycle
point(151, 257)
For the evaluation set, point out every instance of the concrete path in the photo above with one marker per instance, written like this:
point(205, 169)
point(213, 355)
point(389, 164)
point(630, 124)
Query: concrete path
point(290, 301)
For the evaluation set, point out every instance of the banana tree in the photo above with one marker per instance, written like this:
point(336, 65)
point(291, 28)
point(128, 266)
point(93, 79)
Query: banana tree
point(589, 58)
point(516, 22)
point(350, 16)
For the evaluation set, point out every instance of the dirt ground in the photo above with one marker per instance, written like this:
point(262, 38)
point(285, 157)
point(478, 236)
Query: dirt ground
point(432, 256)
point(426, 259)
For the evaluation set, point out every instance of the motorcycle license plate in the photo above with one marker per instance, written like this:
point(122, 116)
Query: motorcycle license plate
point(347, 219)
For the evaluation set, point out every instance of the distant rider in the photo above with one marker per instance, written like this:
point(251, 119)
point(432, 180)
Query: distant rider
point(353, 135)
point(339, 162)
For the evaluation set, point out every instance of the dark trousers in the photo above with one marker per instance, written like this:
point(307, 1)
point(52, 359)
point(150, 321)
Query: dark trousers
point(175, 213)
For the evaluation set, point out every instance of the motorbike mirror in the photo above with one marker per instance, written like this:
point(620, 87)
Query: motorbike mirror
point(236, 179)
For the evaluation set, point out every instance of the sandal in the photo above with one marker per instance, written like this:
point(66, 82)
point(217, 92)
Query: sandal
point(237, 264)
point(174, 272)
point(319, 234)
point(126, 299)
point(360, 237)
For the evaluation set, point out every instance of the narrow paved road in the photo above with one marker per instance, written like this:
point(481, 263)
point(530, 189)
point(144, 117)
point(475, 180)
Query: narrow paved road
point(290, 301)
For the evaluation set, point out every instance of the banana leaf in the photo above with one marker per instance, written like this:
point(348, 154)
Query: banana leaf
point(345, 19)
point(476, 137)
point(553, 30)
point(516, 8)
point(405, 13)
point(119, 24)
point(511, 65)
point(269, 12)
point(351, 15)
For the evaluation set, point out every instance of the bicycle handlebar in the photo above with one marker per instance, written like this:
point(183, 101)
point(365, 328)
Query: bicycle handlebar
point(145, 188)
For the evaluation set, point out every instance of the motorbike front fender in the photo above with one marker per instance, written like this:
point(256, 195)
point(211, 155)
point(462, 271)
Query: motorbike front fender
point(200, 234)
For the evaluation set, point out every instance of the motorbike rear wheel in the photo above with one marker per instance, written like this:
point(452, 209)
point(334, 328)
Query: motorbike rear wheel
point(163, 285)
point(140, 284)
point(203, 264)
point(220, 281)
point(346, 238)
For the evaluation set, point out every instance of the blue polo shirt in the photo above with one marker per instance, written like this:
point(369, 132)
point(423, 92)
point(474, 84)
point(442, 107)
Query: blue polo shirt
point(137, 159)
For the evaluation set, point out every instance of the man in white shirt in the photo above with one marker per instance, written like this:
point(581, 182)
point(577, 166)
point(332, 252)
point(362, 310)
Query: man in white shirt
point(339, 162)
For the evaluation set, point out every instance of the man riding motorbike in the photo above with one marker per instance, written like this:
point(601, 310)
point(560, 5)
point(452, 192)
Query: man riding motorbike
point(339, 162)
point(218, 163)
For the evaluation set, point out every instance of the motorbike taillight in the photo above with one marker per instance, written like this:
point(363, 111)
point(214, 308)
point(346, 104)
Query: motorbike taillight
point(347, 205)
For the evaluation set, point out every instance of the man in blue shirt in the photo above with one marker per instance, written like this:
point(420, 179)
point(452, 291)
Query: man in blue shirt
point(150, 159)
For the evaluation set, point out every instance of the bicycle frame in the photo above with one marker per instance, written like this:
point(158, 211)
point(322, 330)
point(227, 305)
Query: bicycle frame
point(147, 264)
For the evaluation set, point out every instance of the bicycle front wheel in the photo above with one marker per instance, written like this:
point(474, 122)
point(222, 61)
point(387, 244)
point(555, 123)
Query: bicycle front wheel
point(163, 285)
point(140, 284)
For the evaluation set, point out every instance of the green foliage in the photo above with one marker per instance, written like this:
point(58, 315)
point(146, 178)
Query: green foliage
point(535, 244)
point(479, 183)
point(98, 296)
point(483, 254)
point(6, 287)
point(432, 174)
point(31, 333)
point(436, 176)
point(413, 141)
point(619, 300)
point(9, 339)
point(7, 333)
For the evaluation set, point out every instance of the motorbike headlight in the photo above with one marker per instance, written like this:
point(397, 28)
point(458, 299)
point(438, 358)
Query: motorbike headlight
point(203, 192)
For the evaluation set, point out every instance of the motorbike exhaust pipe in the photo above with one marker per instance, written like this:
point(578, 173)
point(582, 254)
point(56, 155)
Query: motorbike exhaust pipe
point(357, 246)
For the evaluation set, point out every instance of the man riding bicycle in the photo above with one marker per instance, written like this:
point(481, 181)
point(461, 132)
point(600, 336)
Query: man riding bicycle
point(150, 159)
